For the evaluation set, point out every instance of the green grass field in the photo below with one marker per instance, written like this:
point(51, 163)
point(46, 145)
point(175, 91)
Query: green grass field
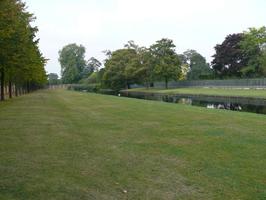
point(257, 93)
point(67, 145)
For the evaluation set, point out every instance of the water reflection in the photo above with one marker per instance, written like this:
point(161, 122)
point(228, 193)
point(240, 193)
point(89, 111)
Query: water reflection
point(190, 101)
point(210, 102)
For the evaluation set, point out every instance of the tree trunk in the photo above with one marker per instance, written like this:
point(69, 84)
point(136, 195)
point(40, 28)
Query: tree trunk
point(147, 84)
point(166, 82)
point(20, 90)
point(126, 85)
point(2, 85)
point(16, 90)
point(10, 89)
point(28, 87)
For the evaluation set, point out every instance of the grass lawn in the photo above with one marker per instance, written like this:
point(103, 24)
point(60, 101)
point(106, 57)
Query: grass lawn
point(67, 145)
point(257, 93)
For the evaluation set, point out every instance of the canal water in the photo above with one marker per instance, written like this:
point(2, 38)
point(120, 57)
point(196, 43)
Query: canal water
point(241, 104)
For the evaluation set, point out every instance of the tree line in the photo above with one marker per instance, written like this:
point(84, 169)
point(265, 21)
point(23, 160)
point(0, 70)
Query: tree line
point(240, 55)
point(21, 62)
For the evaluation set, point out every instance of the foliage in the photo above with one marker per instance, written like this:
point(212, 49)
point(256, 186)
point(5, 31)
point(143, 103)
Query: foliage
point(145, 71)
point(72, 60)
point(93, 65)
point(254, 46)
point(21, 62)
point(85, 87)
point(121, 68)
point(167, 63)
point(198, 68)
point(241, 55)
point(229, 59)
point(53, 79)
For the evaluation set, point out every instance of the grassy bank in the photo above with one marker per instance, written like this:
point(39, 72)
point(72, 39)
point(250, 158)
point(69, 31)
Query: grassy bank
point(70, 145)
point(256, 93)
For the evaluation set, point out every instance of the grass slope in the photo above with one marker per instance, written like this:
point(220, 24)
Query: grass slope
point(256, 93)
point(70, 145)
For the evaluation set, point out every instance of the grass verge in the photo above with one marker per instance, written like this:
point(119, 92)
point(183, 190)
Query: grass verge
point(255, 93)
point(69, 145)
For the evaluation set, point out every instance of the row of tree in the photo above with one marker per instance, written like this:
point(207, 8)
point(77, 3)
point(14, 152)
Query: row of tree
point(21, 63)
point(132, 64)
point(241, 55)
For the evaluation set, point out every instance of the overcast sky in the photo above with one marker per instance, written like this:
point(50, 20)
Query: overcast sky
point(109, 24)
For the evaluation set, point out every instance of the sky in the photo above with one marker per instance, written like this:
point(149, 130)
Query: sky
point(108, 24)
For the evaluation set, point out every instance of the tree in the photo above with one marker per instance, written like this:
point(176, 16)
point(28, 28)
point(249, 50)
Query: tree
point(93, 65)
point(229, 59)
point(21, 62)
point(167, 63)
point(145, 71)
point(93, 78)
point(72, 60)
point(198, 68)
point(53, 79)
point(120, 69)
point(253, 46)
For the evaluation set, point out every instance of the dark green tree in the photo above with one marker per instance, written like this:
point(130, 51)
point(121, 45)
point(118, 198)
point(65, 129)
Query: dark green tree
point(229, 59)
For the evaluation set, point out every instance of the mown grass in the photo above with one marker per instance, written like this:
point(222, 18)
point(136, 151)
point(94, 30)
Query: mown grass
point(69, 145)
point(256, 93)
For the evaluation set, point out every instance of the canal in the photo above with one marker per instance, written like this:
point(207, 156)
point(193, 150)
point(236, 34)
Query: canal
point(241, 104)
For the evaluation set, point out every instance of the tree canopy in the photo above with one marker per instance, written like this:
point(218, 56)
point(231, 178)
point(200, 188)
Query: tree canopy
point(120, 68)
point(253, 46)
point(198, 68)
point(53, 79)
point(241, 55)
point(167, 63)
point(229, 58)
point(72, 60)
point(21, 62)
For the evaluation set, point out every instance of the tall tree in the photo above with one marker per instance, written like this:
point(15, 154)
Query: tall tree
point(254, 46)
point(229, 59)
point(167, 63)
point(144, 64)
point(93, 65)
point(198, 68)
point(20, 59)
point(53, 79)
point(72, 60)
point(145, 71)
point(120, 68)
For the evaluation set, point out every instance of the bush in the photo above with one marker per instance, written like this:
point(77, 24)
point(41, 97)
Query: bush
point(85, 88)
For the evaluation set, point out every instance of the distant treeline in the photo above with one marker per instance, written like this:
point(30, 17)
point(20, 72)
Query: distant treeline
point(21, 62)
point(240, 55)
